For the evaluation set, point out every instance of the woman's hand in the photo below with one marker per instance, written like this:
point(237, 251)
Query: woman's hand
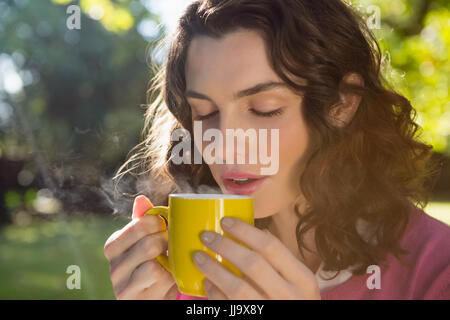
point(271, 271)
point(131, 251)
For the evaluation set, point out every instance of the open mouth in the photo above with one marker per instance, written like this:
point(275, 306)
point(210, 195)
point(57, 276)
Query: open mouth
point(244, 186)
point(242, 181)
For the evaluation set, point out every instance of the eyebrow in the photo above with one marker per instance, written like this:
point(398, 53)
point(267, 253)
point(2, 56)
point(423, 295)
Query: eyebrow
point(260, 87)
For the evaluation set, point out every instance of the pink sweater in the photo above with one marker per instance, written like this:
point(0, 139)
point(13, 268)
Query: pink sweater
point(428, 241)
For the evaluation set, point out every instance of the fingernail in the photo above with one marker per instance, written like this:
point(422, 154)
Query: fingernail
point(227, 223)
point(208, 236)
point(199, 257)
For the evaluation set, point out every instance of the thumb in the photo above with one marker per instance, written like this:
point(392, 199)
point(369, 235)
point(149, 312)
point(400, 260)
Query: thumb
point(141, 205)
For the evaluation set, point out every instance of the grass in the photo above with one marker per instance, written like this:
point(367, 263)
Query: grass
point(34, 258)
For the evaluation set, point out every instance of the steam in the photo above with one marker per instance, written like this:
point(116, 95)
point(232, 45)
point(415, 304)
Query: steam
point(120, 198)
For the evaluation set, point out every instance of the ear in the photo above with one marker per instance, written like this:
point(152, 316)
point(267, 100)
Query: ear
point(343, 113)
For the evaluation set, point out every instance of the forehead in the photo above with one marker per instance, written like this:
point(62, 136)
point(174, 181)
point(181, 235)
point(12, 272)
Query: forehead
point(236, 61)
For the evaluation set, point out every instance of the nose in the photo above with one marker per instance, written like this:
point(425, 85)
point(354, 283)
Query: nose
point(237, 139)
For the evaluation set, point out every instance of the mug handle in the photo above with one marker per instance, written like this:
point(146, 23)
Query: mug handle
point(164, 212)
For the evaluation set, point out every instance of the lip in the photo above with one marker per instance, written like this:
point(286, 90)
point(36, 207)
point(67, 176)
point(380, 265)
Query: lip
point(236, 174)
point(246, 189)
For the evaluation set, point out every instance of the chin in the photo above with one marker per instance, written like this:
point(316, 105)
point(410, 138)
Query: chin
point(261, 216)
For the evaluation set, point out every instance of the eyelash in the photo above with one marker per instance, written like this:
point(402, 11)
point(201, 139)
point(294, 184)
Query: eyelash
point(258, 113)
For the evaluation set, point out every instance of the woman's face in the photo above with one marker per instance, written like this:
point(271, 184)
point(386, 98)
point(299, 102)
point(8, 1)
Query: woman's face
point(215, 71)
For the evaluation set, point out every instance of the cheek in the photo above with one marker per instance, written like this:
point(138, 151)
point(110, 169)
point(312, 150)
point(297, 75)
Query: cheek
point(293, 144)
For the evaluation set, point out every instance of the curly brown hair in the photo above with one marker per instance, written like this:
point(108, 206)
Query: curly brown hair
point(371, 170)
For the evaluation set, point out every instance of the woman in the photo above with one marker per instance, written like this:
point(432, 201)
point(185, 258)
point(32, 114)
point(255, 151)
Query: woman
point(339, 217)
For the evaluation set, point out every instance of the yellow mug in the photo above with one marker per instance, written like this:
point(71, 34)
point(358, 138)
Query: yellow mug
point(187, 216)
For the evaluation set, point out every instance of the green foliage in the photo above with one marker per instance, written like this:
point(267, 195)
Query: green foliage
point(416, 42)
point(30, 196)
point(88, 85)
point(13, 199)
point(115, 17)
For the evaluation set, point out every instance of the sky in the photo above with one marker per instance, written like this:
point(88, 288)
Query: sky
point(168, 10)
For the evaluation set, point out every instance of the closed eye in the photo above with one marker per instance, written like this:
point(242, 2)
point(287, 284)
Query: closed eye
point(267, 114)
point(256, 112)
point(209, 115)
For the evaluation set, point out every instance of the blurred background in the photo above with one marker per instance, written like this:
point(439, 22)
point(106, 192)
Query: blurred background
point(71, 108)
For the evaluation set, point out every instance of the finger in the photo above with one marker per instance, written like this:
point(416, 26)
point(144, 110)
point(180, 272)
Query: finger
point(162, 288)
point(141, 205)
point(146, 274)
point(272, 249)
point(251, 263)
point(172, 292)
point(125, 238)
point(212, 292)
point(148, 248)
point(232, 286)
